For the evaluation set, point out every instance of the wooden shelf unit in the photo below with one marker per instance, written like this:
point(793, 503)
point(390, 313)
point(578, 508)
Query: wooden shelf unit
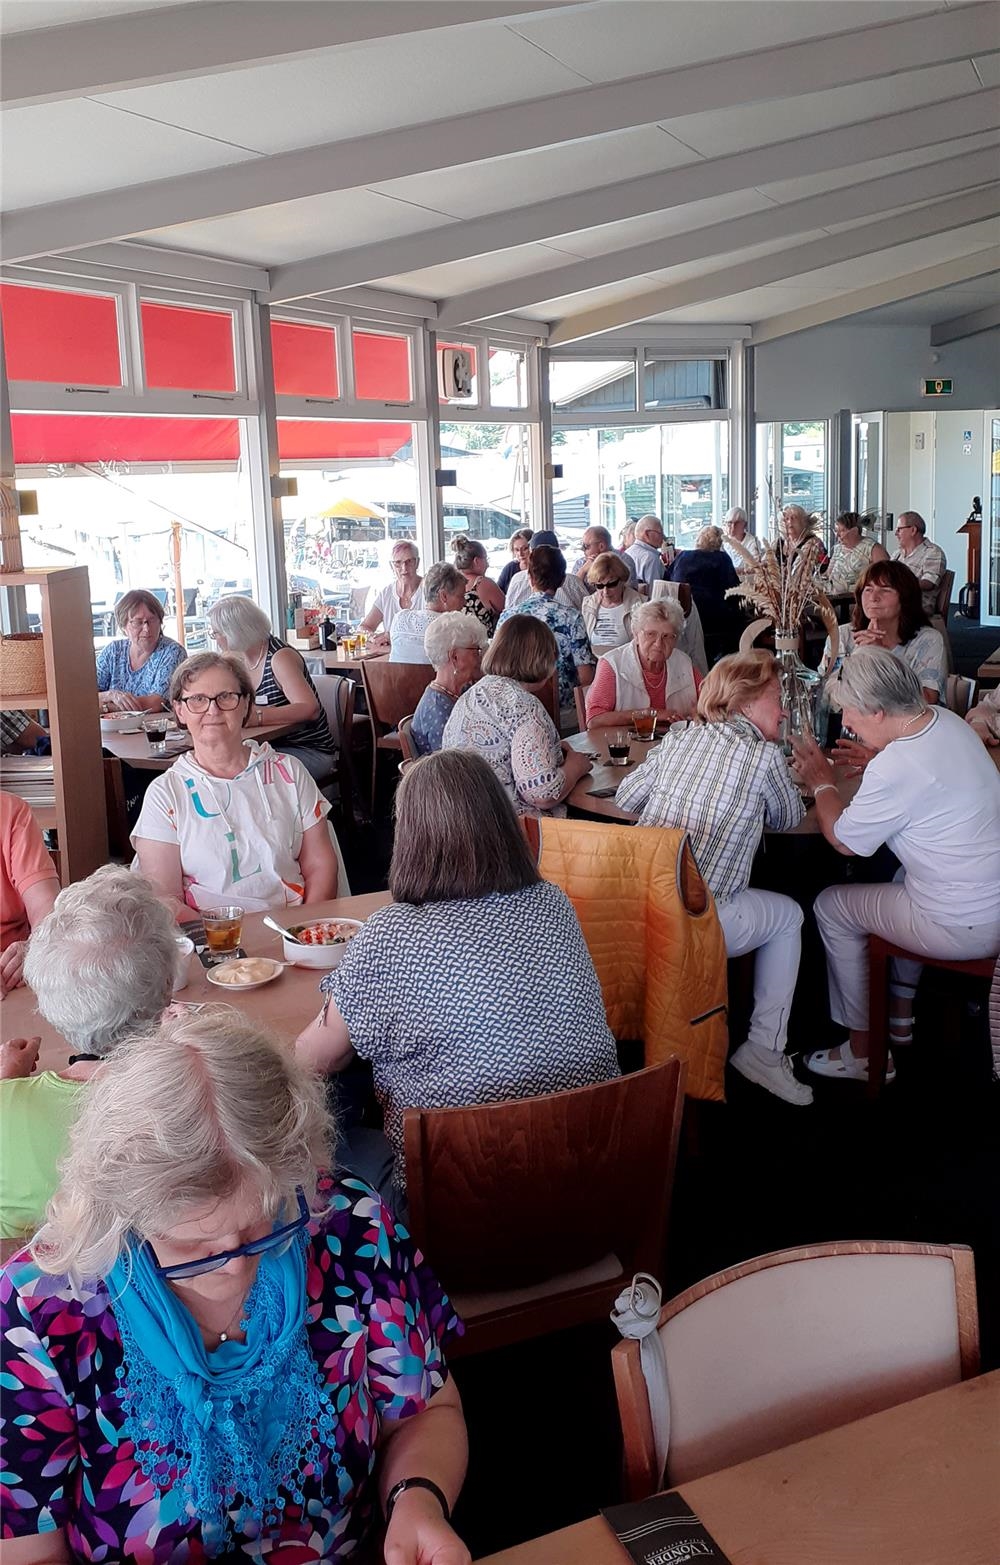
point(74, 720)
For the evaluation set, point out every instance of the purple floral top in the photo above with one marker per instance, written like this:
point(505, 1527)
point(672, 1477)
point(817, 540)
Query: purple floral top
point(377, 1323)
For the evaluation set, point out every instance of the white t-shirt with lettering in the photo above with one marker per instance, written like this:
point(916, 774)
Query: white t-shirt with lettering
point(934, 798)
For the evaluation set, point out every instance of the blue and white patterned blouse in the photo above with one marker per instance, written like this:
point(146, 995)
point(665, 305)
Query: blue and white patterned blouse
point(427, 729)
point(571, 636)
point(115, 672)
point(530, 1018)
point(516, 737)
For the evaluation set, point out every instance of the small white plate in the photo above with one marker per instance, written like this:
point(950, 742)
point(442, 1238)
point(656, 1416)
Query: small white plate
point(212, 974)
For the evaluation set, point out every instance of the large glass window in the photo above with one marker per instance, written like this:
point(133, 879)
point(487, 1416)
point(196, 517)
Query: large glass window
point(578, 384)
point(611, 476)
point(791, 466)
point(492, 494)
point(508, 377)
point(55, 336)
point(684, 383)
point(109, 491)
point(357, 496)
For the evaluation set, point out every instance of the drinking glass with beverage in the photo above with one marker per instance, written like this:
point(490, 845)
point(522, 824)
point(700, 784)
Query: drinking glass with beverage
point(644, 723)
point(619, 747)
point(156, 732)
point(223, 929)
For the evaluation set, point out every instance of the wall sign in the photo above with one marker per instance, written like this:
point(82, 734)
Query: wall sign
point(936, 388)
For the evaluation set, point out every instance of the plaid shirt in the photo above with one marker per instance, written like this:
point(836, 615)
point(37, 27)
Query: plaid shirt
point(722, 783)
point(12, 726)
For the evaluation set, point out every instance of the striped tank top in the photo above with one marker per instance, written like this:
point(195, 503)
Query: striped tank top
point(314, 735)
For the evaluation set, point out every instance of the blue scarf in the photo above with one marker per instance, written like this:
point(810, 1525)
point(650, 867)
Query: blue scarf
point(233, 1427)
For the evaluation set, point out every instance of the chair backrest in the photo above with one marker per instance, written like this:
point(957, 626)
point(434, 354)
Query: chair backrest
point(580, 697)
point(405, 739)
point(943, 601)
point(603, 1155)
point(336, 694)
point(793, 1343)
point(549, 697)
point(393, 690)
point(681, 590)
point(960, 693)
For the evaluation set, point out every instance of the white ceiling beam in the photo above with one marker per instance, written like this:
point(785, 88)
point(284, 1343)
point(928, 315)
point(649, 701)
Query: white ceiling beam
point(965, 326)
point(965, 115)
point(966, 267)
point(139, 49)
point(717, 239)
point(790, 70)
point(941, 217)
point(177, 265)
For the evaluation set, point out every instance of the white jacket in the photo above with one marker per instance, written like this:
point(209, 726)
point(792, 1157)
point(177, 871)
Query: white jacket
point(590, 609)
point(630, 687)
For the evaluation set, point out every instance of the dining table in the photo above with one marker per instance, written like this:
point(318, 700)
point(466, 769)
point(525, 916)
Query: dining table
point(131, 744)
point(285, 1005)
point(915, 1484)
point(586, 799)
point(339, 661)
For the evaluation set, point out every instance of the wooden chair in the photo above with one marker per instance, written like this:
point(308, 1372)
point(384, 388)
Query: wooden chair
point(405, 741)
point(580, 697)
point(393, 691)
point(119, 843)
point(880, 952)
point(549, 697)
point(536, 1213)
point(794, 1343)
point(939, 616)
point(960, 694)
point(336, 694)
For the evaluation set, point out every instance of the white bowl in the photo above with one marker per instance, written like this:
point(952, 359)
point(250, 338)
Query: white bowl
point(324, 957)
point(185, 947)
point(116, 722)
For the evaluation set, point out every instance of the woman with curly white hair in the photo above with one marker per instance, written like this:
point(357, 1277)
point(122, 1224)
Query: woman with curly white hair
point(649, 671)
point(216, 1348)
point(283, 688)
point(454, 644)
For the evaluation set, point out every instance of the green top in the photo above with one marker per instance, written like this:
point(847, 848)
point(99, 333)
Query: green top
point(37, 1114)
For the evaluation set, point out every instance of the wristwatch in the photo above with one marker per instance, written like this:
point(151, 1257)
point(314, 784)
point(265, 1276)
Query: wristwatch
point(415, 1483)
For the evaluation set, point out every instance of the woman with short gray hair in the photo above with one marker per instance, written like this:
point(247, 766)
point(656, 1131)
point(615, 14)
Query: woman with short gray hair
point(649, 671)
point(282, 685)
point(932, 795)
point(102, 963)
point(444, 593)
point(454, 644)
point(251, 1393)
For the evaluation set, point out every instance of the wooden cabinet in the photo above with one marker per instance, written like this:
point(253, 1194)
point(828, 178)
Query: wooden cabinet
point(70, 697)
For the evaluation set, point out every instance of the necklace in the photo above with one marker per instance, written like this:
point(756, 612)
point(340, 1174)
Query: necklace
point(909, 723)
point(256, 662)
point(236, 1321)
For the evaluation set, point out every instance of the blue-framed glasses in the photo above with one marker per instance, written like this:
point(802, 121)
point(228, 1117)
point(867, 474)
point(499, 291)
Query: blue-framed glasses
point(278, 1240)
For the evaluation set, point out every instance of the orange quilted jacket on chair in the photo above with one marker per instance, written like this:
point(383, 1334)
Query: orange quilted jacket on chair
point(651, 928)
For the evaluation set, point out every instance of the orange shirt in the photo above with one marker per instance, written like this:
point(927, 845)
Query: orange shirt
point(24, 861)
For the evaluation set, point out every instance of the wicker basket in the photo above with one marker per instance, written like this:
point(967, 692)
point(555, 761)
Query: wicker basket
point(22, 666)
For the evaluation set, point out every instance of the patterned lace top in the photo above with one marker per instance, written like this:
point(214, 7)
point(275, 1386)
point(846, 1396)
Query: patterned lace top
point(515, 735)
point(377, 1322)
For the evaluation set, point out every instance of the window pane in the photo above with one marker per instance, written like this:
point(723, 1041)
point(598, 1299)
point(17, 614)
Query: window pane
point(678, 472)
point(382, 367)
point(578, 384)
point(493, 494)
point(684, 383)
point(357, 497)
point(187, 349)
point(508, 378)
point(54, 336)
point(470, 350)
point(802, 470)
point(114, 514)
point(305, 360)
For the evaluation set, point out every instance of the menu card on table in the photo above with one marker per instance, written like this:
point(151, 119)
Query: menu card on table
point(663, 1531)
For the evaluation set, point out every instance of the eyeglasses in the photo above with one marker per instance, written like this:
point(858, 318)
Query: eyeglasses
point(278, 1241)
point(141, 619)
point(226, 701)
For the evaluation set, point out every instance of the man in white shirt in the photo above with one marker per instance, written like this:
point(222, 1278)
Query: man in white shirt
point(923, 558)
point(572, 592)
point(645, 552)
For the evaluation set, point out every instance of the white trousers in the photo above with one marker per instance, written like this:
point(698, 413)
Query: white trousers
point(771, 925)
point(847, 915)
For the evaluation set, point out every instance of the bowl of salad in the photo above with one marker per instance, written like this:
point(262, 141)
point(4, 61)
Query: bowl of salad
point(320, 943)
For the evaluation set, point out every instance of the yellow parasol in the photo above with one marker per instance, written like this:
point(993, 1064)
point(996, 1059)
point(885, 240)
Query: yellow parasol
point(352, 510)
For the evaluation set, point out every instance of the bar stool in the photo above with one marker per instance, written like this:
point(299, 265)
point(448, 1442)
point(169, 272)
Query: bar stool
point(880, 953)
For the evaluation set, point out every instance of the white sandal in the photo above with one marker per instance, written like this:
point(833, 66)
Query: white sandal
point(847, 1068)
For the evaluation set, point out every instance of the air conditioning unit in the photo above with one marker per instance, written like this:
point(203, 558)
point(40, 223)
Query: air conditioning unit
point(455, 374)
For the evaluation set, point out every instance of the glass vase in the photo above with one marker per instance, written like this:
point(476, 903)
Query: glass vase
point(799, 689)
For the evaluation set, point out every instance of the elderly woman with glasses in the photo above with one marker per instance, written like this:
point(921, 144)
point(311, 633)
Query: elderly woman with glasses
point(932, 795)
point(232, 821)
point(649, 671)
point(213, 1348)
point(454, 644)
point(134, 672)
point(283, 687)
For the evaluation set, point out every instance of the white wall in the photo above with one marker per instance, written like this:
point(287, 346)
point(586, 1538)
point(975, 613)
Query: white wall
point(814, 374)
point(939, 477)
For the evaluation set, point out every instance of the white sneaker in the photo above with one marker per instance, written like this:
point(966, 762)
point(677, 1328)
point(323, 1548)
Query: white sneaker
point(842, 1064)
point(772, 1071)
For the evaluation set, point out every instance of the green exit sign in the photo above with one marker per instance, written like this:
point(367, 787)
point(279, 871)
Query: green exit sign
point(937, 388)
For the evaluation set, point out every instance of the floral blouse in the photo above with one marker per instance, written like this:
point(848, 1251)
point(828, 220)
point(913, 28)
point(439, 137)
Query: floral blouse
point(924, 652)
point(847, 566)
point(377, 1322)
point(567, 626)
point(115, 672)
point(511, 730)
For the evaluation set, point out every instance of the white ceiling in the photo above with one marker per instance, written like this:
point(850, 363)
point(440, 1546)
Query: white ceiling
point(196, 131)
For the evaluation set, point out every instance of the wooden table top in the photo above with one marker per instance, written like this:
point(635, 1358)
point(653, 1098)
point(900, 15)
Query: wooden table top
point(914, 1485)
point(990, 667)
point(338, 662)
point(604, 775)
point(285, 1005)
point(133, 747)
